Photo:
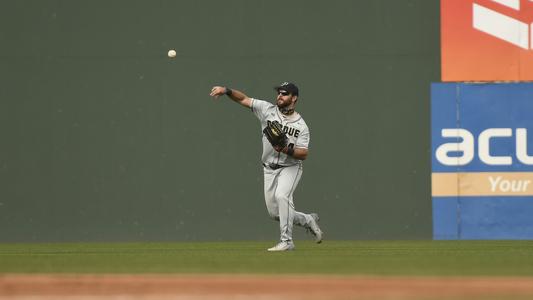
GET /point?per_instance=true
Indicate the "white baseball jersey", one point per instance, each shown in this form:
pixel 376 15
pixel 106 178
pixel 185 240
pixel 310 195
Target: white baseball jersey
pixel 293 125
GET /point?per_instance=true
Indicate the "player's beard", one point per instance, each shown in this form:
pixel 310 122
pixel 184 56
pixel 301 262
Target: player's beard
pixel 286 108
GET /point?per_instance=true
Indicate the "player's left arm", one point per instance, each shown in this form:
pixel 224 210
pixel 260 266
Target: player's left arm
pixel 298 153
pixel 300 150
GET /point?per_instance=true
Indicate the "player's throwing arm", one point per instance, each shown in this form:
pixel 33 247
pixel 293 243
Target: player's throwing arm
pixel 235 95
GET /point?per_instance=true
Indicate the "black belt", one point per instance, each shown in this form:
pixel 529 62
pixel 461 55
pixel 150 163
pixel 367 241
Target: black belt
pixel 273 166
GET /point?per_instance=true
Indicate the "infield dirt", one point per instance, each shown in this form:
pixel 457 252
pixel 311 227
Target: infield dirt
pixel 151 287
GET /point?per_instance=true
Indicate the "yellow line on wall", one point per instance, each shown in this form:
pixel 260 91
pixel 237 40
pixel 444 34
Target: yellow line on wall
pixel 482 184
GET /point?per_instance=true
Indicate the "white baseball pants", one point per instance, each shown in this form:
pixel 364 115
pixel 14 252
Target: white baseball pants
pixel 279 189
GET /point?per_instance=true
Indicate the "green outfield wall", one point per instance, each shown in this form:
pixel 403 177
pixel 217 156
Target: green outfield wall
pixel 104 138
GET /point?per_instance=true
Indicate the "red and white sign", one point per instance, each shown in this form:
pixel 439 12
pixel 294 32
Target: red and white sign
pixel 487 40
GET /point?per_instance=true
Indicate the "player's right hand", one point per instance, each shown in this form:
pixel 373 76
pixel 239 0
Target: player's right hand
pixel 217 91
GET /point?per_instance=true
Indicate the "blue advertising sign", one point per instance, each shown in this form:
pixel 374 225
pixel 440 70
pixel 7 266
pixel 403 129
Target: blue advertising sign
pixel 482 160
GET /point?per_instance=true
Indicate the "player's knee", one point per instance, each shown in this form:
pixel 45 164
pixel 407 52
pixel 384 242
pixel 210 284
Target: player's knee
pixel 281 197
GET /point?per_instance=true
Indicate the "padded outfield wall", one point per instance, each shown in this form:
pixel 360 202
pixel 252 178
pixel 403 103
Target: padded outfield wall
pixel 482 179
pixel 105 138
pixel 481 144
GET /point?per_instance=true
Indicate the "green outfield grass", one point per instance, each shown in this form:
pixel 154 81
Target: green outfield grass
pixel 423 258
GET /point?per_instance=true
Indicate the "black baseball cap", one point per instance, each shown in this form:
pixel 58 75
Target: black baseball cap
pixel 289 87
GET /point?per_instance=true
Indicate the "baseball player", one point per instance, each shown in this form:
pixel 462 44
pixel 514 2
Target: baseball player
pixel 285 145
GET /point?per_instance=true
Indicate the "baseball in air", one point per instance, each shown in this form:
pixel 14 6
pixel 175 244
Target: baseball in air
pixel 172 53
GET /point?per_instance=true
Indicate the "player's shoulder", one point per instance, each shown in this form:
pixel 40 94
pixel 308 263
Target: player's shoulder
pixel 259 105
pixel 304 126
pixel 263 103
pixel 299 119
